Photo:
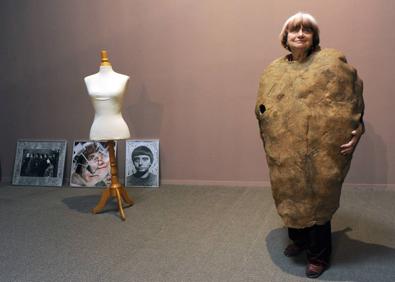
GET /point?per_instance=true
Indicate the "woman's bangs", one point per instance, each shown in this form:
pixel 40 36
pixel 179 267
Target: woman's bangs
pixel 300 21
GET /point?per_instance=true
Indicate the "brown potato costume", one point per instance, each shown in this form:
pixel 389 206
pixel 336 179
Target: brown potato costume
pixel 305 112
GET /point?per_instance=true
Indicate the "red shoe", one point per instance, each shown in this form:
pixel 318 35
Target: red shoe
pixel 315 268
pixel 292 250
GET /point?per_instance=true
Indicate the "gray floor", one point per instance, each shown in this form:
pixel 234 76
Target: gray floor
pixel 183 233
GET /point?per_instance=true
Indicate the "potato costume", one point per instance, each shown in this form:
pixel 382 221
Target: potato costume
pixel 305 112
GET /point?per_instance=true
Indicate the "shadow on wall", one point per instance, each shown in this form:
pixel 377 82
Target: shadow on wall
pixel 145 116
pixel 369 164
pixel 352 260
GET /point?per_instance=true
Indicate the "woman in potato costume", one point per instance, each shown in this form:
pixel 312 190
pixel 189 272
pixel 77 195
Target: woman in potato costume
pixel 310 110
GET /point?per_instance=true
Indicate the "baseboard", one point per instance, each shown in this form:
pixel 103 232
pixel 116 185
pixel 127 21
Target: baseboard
pixel 369 186
pixel 266 184
pixel 232 183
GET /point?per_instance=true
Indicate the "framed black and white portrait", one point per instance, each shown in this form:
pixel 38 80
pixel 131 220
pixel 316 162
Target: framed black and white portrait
pixel 39 163
pixel 142 163
pixel 90 166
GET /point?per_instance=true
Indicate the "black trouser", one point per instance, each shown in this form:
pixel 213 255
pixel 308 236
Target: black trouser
pixel 317 239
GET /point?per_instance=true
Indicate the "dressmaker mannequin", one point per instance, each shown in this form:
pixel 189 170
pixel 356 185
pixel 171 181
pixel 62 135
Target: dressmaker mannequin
pixel 106 89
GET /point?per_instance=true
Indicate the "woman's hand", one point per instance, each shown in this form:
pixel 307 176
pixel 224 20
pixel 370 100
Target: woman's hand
pixel 349 147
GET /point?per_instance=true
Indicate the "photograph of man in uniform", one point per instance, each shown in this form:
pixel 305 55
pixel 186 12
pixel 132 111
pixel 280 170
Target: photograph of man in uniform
pixel 142 159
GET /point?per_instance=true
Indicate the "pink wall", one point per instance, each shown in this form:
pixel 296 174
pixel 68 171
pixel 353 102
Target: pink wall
pixel 194 68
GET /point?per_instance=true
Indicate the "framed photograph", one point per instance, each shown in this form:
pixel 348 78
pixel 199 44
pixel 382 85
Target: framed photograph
pixel 39 163
pixel 142 163
pixel 90 166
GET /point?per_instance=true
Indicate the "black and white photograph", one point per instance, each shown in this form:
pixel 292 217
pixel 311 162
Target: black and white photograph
pixel 90 165
pixel 142 163
pixel 39 163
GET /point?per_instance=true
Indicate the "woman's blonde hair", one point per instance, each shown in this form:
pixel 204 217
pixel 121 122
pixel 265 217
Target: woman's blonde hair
pixel 297 20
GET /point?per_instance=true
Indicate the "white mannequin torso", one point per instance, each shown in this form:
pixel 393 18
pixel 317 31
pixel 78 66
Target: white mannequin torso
pixel 106 89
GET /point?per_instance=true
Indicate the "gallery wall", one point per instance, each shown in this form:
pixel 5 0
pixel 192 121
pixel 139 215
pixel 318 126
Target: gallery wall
pixel 194 68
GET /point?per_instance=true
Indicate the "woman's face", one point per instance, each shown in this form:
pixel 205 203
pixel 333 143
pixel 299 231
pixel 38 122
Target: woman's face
pixel 96 169
pixel 300 38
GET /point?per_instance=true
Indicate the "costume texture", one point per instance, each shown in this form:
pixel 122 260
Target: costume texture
pixel 305 112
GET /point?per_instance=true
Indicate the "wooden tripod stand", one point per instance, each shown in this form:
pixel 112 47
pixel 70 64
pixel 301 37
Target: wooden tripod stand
pixel 116 189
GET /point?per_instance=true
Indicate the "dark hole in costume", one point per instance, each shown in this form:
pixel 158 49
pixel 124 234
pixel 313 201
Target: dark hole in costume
pixel 262 108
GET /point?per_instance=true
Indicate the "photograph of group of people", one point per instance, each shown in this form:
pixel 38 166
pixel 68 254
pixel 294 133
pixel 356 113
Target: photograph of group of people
pixel 91 164
pixel 39 163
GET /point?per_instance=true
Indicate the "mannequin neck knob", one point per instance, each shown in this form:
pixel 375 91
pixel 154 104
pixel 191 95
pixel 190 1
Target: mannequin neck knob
pixel 104 58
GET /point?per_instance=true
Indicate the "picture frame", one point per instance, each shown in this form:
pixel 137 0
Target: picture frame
pixel 142 163
pixel 39 162
pixel 90 164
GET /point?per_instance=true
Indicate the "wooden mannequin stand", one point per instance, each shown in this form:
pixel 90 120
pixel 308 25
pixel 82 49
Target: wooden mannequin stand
pixel 115 190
